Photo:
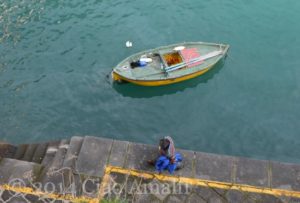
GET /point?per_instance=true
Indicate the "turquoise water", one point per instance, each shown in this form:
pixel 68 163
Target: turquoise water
pixel 55 55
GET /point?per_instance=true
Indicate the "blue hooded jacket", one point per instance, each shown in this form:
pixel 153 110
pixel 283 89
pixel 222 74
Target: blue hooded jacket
pixel 163 163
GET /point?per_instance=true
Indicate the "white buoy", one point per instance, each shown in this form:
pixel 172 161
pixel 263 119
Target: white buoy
pixel 128 44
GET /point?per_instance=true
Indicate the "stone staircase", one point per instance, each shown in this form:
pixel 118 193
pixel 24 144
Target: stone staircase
pixel 55 166
pixel 71 167
pixel 71 170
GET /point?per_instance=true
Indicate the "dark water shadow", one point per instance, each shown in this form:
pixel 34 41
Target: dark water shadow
pixel 136 91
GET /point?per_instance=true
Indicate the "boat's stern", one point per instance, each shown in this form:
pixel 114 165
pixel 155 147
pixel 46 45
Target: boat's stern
pixel 115 77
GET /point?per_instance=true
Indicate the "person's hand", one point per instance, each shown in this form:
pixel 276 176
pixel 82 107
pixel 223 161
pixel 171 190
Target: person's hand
pixel 151 162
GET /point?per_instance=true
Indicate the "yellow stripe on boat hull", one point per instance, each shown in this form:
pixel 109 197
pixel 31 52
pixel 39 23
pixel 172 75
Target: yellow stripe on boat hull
pixel 117 77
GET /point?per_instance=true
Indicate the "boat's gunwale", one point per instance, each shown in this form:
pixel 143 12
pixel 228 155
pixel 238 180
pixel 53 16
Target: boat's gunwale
pixel 171 45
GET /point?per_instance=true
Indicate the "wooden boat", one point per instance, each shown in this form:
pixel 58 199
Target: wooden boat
pixel 169 64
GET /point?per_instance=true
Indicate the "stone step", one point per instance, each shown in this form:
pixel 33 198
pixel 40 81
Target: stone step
pixel 29 152
pixel 73 151
pixel 39 153
pixel 50 153
pixel 13 170
pixel 60 154
pixel 138 155
pixel 207 166
pixel 118 153
pixel 93 156
pixel 7 150
pixel 21 149
pixel 53 174
pixel 72 183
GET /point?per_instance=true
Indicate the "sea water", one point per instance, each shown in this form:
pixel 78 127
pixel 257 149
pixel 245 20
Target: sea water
pixel 55 56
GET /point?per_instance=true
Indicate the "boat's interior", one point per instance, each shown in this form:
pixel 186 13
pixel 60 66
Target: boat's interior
pixel 159 60
pixel 172 58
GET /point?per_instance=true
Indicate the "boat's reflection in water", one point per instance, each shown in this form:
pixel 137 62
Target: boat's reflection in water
pixel 136 91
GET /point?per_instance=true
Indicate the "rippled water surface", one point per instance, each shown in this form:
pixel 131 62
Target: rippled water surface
pixel 55 55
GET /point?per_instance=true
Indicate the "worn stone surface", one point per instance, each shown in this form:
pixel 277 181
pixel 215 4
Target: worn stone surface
pixel 139 189
pixel 12 197
pixel 120 186
pixel 53 180
pixel 138 154
pixel 235 196
pixel 54 175
pixel 143 198
pixel 177 198
pixel 194 198
pixel 39 153
pixel 29 152
pixel 188 163
pixel 7 150
pixel 93 156
pixel 214 167
pixel 89 186
pixel 58 159
pixel 77 167
pixel 50 153
pixel 252 172
pixel 205 193
pixel 136 189
pixel 21 149
pixel 271 198
pixel 17 199
pixel 285 176
pixel 6 195
pixel 71 183
pixel 262 198
pixel 118 153
pixel 73 151
pixel 18 172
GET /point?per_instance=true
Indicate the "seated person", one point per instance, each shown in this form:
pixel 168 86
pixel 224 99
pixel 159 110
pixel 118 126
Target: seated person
pixel 167 159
